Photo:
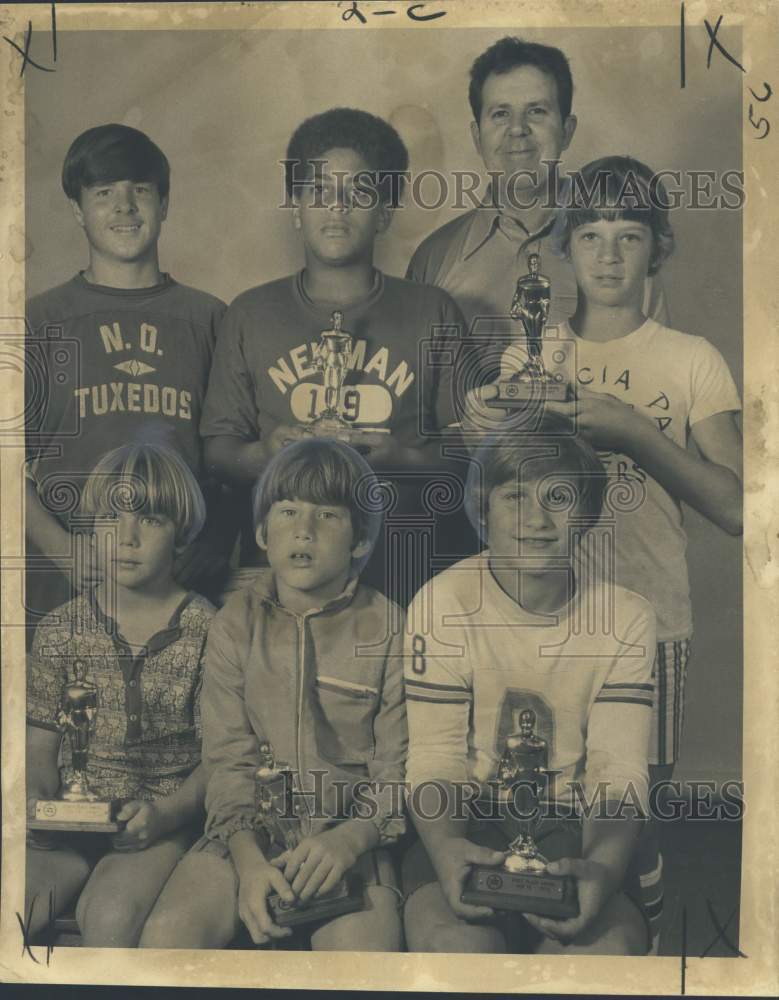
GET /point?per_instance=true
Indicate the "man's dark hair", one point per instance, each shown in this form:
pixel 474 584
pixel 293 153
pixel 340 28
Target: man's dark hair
pixel 510 52
pixel 375 140
pixel 110 153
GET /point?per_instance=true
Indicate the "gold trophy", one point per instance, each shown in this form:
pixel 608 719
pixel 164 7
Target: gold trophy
pixel 279 827
pixel 532 382
pixel 77 807
pixel 332 359
pixel 523 883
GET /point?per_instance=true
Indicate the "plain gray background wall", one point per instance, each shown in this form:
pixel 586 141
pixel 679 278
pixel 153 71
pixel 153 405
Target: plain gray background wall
pixel 222 105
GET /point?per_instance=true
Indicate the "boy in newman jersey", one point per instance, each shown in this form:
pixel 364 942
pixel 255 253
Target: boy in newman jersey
pixel 344 174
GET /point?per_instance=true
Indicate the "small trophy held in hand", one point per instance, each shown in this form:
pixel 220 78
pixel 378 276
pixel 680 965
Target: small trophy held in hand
pixel 523 883
pixel 532 383
pixel 332 359
pixel 277 820
pixel 77 808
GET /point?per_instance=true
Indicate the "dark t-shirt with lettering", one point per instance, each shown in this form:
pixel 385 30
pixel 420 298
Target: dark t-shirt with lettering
pixel 265 372
pixel 108 366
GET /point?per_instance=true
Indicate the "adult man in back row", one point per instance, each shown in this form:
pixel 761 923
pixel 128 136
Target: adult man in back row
pixel 521 96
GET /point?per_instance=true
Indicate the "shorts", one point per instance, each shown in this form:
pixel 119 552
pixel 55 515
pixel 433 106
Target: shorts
pixel 556 838
pixel 93 847
pixel 669 673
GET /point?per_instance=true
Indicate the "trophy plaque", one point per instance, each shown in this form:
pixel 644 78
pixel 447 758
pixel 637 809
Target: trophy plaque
pixel 276 818
pixel 532 382
pixel 522 882
pixel 77 808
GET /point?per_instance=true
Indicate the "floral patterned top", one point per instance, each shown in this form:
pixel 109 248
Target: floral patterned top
pixel 145 737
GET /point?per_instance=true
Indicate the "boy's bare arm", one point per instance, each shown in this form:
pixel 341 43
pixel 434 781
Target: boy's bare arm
pixel 610 843
pixel 607 845
pixel 238 462
pixel 444 835
pixel 257 879
pixel 148 821
pixel 186 803
pixel 56 542
pixel 42 527
pixel 232 460
pixel 711 483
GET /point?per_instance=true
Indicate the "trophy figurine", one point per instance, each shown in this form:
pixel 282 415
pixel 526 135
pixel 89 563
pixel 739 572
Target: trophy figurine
pixel 277 822
pixel 77 807
pixel 532 382
pixel 523 882
pixel 332 359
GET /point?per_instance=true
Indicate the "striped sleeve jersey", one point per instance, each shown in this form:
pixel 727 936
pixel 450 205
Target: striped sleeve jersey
pixel 475 659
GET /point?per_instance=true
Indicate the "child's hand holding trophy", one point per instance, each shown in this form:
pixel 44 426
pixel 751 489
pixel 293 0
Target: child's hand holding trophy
pixel 280 827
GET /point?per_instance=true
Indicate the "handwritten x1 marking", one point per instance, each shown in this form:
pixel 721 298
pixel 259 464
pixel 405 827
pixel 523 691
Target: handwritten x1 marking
pixel 25 52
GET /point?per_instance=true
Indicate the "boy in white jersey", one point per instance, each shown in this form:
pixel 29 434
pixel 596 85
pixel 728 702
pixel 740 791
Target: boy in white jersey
pixel 512 629
pixel 642 391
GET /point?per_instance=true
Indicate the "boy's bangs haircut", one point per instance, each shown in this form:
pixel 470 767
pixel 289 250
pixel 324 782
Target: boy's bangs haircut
pixel 615 188
pixel 375 140
pixel 322 471
pixel 110 153
pixel 510 53
pixel 575 479
pixel 147 479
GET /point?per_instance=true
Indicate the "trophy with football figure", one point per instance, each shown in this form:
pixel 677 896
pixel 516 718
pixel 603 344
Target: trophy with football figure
pixel 522 882
pixel 77 808
pixel 331 357
pixel 532 382
pixel 280 828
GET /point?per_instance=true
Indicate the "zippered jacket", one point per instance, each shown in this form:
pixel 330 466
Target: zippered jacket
pixel 325 689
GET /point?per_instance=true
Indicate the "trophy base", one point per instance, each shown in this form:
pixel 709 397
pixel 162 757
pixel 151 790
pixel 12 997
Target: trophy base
pixel 335 427
pixel 516 393
pixel 331 427
pixel 347 897
pixel 75 816
pixel 526 892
